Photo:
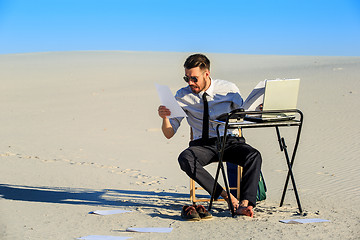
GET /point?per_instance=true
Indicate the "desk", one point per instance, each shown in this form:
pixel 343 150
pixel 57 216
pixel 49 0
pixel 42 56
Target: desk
pixel 234 119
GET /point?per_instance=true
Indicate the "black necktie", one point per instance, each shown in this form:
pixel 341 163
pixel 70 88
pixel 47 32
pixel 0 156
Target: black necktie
pixel 205 129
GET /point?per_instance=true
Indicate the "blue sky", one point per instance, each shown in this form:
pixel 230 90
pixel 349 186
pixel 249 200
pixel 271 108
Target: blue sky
pixel 280 27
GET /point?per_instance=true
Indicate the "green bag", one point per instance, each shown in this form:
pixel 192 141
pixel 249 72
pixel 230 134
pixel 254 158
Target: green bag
pixel 261 191
pixel 232 176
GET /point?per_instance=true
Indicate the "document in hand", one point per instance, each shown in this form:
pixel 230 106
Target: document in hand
pixel 168 100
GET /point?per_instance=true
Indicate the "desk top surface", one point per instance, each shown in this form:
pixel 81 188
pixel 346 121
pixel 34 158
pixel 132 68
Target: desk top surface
pixel 249 124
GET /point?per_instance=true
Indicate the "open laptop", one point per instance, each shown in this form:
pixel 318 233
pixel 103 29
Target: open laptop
pixel 280 94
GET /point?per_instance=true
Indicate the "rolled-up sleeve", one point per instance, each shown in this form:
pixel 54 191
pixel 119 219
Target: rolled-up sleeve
pixel 237 101
pixel 175 123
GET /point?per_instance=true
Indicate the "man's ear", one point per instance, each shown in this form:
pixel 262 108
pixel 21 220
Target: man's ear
pixel 207 73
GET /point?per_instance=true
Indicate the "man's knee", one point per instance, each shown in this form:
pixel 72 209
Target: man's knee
pixel 184 162
pixel 254 157
pixel 257 157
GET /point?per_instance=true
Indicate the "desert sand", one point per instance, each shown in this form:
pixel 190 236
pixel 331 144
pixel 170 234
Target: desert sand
pixel 80 132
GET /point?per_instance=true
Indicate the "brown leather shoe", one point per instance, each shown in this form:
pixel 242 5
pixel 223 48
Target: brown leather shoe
pixel 203 213
pixel 189 213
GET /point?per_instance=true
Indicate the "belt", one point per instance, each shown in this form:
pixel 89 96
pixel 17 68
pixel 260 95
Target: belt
pixel 210 141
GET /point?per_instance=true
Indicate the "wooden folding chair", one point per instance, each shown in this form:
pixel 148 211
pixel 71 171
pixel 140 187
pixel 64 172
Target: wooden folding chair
pixel 193 186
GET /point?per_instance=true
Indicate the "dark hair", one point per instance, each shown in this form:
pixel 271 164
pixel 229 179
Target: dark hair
pixel 197 60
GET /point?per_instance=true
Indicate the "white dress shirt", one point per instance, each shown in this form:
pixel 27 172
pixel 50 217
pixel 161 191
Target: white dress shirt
pixel 223 97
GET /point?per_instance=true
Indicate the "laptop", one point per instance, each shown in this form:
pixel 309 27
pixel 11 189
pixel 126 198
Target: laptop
pixel 280 94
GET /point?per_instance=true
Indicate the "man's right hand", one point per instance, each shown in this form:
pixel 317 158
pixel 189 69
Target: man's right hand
pixel 164 112
pixel 166 127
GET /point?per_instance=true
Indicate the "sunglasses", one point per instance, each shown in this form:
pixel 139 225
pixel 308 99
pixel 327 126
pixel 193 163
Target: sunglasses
pixel 193 79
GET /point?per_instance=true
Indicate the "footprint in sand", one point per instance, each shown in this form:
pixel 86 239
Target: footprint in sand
pixel 7 154
pixel 134 173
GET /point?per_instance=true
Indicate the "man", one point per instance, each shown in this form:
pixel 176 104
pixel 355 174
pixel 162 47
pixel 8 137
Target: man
pixel 204 94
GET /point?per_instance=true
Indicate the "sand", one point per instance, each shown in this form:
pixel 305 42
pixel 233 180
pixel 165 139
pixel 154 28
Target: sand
pixel 80 132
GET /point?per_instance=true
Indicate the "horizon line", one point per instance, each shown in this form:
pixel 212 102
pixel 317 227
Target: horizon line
pixel 153 51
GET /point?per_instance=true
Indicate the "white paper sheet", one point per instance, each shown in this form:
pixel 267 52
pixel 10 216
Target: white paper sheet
pixel 103 237
pixel 255 98
pixel 308 220
pixel 168 100
pixel 157 230
pixel 109 212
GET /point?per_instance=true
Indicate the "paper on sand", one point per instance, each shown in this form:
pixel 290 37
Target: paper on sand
pixel 109 212
pixel 157 230
pixel 167 99
pixel 308 220
pixel 103 237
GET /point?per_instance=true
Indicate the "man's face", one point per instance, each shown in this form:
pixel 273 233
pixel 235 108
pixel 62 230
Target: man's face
pixel 202 76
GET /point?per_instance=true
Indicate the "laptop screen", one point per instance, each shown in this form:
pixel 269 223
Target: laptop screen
pixel 281 94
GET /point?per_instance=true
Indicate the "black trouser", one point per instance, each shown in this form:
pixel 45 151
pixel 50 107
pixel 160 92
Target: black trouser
pixel 199 154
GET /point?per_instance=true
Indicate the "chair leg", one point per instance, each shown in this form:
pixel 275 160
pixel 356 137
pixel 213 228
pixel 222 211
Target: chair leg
pixel 239 177
pixel 193 188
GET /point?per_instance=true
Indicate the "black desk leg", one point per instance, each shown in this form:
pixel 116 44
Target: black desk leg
pixel 282 144
pixel 214 188
pixel 221 166
pixel 227 190
pixel 284 147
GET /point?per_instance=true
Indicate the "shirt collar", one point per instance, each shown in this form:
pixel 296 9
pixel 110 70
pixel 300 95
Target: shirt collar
pixel 209 91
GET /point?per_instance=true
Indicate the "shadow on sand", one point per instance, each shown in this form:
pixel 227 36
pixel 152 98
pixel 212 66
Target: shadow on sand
pixel 104 197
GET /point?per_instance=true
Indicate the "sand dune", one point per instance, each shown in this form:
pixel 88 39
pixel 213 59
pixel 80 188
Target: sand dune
pixel 80 132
